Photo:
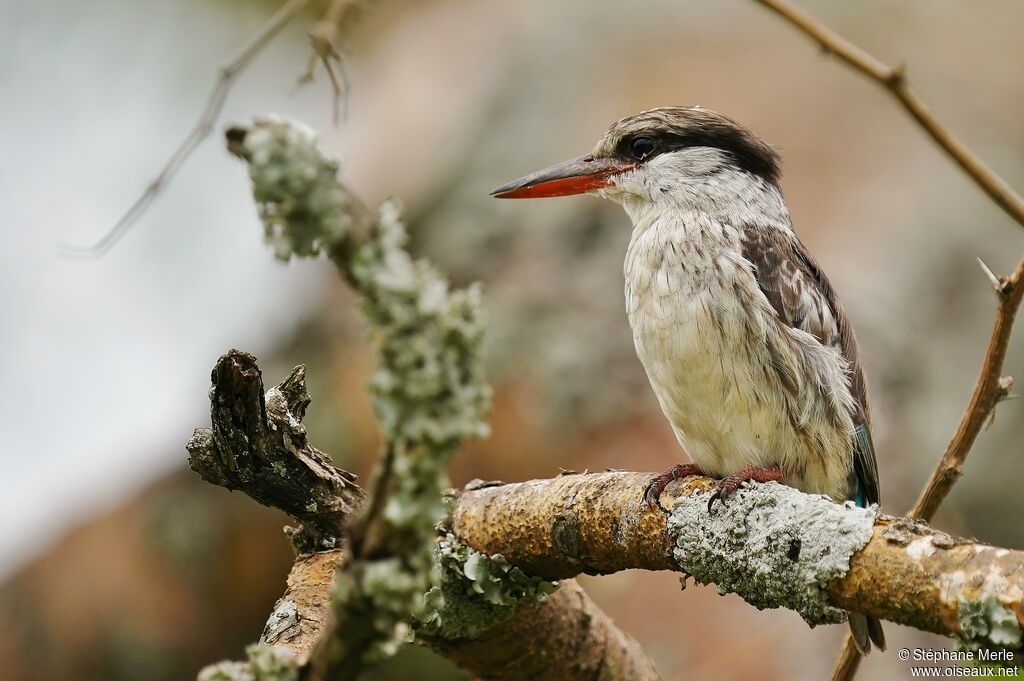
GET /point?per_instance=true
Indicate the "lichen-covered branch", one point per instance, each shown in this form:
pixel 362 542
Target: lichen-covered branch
pixel 564 637
pixel 479 603
pixel 772 545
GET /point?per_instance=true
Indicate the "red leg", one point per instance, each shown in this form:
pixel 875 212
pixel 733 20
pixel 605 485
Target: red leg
pixel 658 483
pixel 728 486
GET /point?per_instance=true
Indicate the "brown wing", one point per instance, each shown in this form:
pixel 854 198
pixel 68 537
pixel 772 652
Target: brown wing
pixel 803 298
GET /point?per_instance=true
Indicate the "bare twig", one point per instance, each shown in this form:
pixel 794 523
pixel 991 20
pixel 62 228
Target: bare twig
pixel 899 569
pixel 894 79
pixel 991 386
pixel 229 73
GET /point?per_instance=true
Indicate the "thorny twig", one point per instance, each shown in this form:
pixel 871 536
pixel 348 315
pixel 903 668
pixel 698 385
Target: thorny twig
pixel 991 386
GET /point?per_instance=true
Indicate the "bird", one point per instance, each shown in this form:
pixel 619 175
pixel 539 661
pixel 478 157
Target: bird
pixel 749 352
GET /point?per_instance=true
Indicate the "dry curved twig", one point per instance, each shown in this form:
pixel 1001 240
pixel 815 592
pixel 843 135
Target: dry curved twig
pixel 894 79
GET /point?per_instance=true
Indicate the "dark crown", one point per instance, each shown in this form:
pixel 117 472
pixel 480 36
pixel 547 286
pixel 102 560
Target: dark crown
pixel 646 135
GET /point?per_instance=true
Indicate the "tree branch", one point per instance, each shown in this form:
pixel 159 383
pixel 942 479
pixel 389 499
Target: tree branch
pixel 258 444
pixel 991 387
pixel 270 459
pixel 565 637
pixel 772 545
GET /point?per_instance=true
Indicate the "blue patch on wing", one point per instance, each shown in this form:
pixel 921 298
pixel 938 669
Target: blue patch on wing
pixel 864 464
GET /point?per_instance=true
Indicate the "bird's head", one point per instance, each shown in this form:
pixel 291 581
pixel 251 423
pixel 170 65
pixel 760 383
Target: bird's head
pixel 677 154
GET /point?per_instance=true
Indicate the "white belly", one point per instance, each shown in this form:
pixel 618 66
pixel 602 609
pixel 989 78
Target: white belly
pixel 708 360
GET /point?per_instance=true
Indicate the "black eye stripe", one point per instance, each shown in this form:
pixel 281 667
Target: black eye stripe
pixel 748 154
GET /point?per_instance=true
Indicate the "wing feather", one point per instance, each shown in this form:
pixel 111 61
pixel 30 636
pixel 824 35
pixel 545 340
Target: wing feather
pixel 803 298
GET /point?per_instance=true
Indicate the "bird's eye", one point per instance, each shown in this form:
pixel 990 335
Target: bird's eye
pixel 641 148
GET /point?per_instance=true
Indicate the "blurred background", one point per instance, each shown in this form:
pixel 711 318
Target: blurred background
pixel 115 558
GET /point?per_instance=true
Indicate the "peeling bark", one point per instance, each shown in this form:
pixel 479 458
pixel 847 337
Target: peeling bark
pixel 257 444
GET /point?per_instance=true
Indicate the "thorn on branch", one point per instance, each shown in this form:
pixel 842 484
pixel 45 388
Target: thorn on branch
pixel 997 284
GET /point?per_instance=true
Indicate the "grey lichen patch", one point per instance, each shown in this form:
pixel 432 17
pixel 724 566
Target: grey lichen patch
pixel 988 621
pixel 773 546
pixel 303 207
pixel 475 592
pixel 909 531
pixel 265 663
pixel 283 623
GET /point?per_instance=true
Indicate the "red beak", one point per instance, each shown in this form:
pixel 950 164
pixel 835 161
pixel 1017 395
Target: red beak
pixel 572 177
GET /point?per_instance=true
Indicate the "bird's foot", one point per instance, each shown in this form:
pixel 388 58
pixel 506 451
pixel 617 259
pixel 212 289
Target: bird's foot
pixel 727 486
pixel 657 485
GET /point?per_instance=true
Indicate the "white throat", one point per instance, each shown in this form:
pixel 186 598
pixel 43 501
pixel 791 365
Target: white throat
pixel 731 196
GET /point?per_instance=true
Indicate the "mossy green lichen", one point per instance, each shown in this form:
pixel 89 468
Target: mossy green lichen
pixel 475 592
pixel 303 207
pixel 429 394
pixel 987 620
pixel 265 663
pixel 429 389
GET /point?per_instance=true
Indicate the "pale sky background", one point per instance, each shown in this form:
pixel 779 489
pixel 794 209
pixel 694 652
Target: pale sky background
pixel 96 376
pixel 105 362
